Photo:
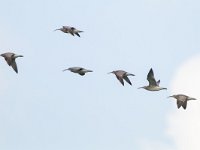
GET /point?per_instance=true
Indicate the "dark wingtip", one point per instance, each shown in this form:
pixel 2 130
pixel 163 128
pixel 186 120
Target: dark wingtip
pixel 78 34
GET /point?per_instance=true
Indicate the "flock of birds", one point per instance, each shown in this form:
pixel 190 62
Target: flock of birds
pixel 121 75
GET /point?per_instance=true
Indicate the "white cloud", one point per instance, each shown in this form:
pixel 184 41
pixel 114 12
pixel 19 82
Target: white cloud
pixel 184 125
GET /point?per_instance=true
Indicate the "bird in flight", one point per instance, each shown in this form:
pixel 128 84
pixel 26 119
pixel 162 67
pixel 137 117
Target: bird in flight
pixel 153 84
pixel 79 70
pixel 182 100
pixel 122 75
pixel 71 30
pixel 10 59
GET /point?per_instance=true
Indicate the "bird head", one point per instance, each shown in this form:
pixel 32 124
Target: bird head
pixel 66 69
pixel 2 55
pixel 171 96
pixel 111 72
pixel 58 29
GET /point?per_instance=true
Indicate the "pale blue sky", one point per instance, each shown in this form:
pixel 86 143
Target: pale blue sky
pixel 44 108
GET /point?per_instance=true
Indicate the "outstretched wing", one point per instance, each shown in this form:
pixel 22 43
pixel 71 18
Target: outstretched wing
pixel 179 103
pixel 184 105
pixel 151 79
pixel 127 80
pixel 14 66
pixel 121 80
pixel 77 34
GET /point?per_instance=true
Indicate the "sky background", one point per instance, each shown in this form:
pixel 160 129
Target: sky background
pixel 43 108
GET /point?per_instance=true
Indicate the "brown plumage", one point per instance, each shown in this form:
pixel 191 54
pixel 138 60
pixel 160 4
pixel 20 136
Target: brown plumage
pixel 122 75
pixel 71 30
pixel 182 100
pixel 10 59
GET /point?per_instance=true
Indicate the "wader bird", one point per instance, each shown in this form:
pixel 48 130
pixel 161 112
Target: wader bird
pixel 71 30
pixel 10 59
pixel 122 75
pixel 182 100
pixel 153 84
pixel 81 71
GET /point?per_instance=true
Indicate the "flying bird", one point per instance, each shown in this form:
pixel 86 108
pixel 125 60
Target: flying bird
pixel 153 84
pixel 122 75
pixel 71 30
pixel 79 70
pixel 10 59
pixel 182 100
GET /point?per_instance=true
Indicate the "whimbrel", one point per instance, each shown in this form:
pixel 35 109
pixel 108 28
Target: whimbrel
pixel 71 30
pixel 182 100
pixel 153 84
pixel 81 71
pixel 122 75
pixel 10 59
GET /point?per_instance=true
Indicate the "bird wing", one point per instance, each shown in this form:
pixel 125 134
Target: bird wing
pixel 121 80
pixel 81 73
pixel 8 57
pixel 66 27
pixel 14 66
pixel 184 105
pixel 151 79
pixel 8 60
pixel 77 34
pixel 179 103
pixel 127 80
pixel 158 82
pixel 71 32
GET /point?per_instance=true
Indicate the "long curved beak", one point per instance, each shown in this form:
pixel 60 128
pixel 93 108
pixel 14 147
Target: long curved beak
pixel 65 69
pixel 56 29
pixel 141 87
pixel 89 71
pixel 109 72
pixel 85 70
pixel 80 31
pixel 169 96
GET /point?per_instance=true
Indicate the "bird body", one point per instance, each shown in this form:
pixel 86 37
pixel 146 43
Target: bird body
pixel 81 71
pixel 153 84
pixel 71 30
pixel 122 75
pixel 10 59
pixel 153 88
pixel 182 100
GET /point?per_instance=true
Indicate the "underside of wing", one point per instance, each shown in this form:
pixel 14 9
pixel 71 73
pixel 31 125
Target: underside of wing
pixel 179 103
pixel 82 73
pixel 184 105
